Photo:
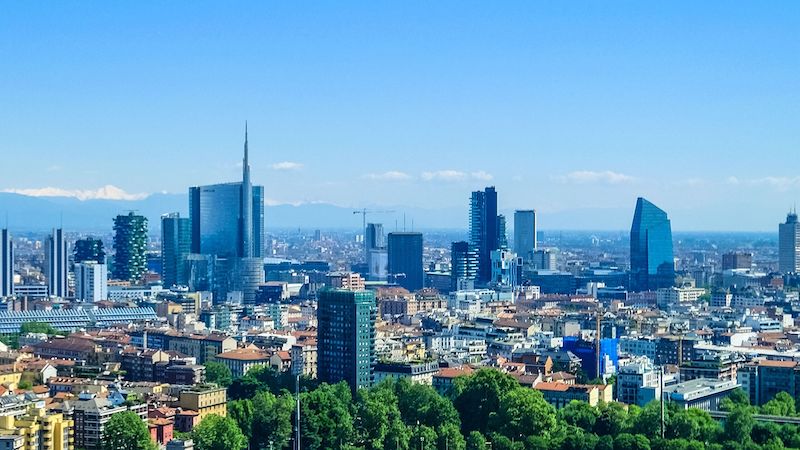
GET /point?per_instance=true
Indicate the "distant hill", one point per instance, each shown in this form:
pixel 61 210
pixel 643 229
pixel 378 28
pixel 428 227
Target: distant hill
pixel 43 213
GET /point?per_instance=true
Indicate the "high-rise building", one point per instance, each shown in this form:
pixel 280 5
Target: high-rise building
pixel 652 260
pixel 6 264
pixel 375 250
pixel 463 266
pixel 91 281
pixel 176 245
pixel 483 232
pixel 525 233
pixel 506 269
pixel 789 244
pixel 130 247
pixel 55 263
pixel 89 249
pixel 502 237
pixel 737 260
pixel 374 237
pixel 405 259
pixel 346 337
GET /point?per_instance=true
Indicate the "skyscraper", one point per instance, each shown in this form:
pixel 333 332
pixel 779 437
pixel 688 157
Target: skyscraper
pixel 55 263
pixel 789 244
pixel 176 244
pixel 6 264
pixel 130 247
pixel 463 266
pixel 525 233
pixel 652 260
pixel 502 237
pixel 483 233
pixel 375 250
pixel 374 237
pixel 405 259
pixel 346 337
pixel 91 281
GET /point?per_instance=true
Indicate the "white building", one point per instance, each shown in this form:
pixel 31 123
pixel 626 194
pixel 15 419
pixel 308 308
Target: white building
pixel 505 268
pixel 672 296
pixel 91 281
pixel 789 245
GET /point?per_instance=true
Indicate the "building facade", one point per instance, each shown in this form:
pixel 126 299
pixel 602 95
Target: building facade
pixel 525 233
pixel 176 245
pixel 463 266
pixel 789 244
pixel 346 337
pixel 55 256
pixel 130 247
pixel 652 259
pixel 91 281
pixel 405 259
pixel 6 264
pixel 483 233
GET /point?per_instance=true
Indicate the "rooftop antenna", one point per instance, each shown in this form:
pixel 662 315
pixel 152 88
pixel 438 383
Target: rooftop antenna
pixel 412 224
pixel 404 222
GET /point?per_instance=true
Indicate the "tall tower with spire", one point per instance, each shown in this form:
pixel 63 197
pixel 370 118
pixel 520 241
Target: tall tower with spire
pixel 247 203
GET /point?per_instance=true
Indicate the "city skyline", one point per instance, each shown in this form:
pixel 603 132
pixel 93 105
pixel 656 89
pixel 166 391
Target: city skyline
pixel 561 115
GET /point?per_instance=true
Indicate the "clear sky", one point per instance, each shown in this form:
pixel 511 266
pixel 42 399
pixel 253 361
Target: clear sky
pixel 562 105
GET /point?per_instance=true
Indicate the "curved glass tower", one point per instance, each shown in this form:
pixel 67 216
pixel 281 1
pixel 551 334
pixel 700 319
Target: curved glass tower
pixel 652 260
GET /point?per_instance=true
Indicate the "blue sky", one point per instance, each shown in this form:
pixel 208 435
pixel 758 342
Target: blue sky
pixel 564 106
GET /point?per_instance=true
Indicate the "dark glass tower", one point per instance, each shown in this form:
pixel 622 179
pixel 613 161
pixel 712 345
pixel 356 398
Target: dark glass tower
pixel 130 247
pixel 55 255
pixel 176 244
pixel 6 264
pixel 652 260
pixel 346 337
pixel 89 249
pixel 483 229
pixel 405 259
pixel 464 265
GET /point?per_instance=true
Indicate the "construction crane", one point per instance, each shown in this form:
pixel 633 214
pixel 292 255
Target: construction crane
pixel 364 212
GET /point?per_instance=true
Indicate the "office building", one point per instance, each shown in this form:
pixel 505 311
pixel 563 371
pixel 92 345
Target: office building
pixel 737 260
pixel 373 238
pixel 376 256
pixel 89 249
pixel 652 260
pixel 789 245
pixel 55 270
pixel 545 259
pixel 704 394
pixel 502 237
pixel 506 269
pixel 91 281
pixel 346 337
pixel 130 247
pixel 483 233
pixel 525 233
pixel 6 264
pixel 176 245
pixel 638 382
pixel 463 266
pixel 405 259
pixel 763 379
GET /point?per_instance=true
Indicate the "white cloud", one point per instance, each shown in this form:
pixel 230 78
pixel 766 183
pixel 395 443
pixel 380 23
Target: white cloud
pixel 778 183
pixel 287 165
pixel 588 176
pixel 456 175
pixel 392 175
pixel 107 192
pixel 732 180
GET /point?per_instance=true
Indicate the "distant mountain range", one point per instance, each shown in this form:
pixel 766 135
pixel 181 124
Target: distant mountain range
pixel 27 213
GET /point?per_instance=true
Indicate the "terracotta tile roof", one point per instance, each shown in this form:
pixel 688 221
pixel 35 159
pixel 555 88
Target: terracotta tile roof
pixel 453 372
pixel 245 354
pixel 550 386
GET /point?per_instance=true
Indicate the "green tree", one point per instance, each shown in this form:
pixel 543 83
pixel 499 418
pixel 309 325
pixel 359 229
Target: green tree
pixel 450 437
pixel 477 397
pixel 398 436
pixel 648 420
pixel 218 373
pixel 579 414
pixel 781 405
pixel 326 420
pixel 419 403
pixel 244 388
pixel 218 433
pixel 272 419
pixel 241 411
pixel 38 327
pixel 692 424
pixel 127 431
pixel 739 425
pixel 736 398
pixel 376 412
pixel 627 441
pixel 423 437
pixel 612 419
pixel 476 441
pixel 524 411
pixel 500 442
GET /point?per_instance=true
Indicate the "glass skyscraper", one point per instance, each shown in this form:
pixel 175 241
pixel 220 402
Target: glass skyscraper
pixel 217 223
pixel 55 267
pixel 652 260
pixel 346 337
pixel 405 259
pixel 789 244
pixel 483 232
pixel 463 266
pixel 6 264
pixel 176 244
pixel 525 233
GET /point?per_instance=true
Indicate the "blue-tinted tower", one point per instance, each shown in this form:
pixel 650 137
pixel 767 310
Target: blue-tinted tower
pixel 652 260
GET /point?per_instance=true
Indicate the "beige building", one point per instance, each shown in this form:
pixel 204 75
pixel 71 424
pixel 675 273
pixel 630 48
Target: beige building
pixel 304 358
pixel 241 360
pixel 206 400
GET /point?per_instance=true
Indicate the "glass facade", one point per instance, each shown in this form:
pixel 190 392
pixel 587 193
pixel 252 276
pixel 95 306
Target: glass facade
pixel 652 260
pixel 525 233
pixel 483 229
pixel 346 337
pixel 464 265
pixel 216 216
pixel 405 259
pixel 176 244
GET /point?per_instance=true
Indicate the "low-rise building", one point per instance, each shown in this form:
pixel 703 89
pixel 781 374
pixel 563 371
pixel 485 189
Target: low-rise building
pixel 701 393
pixel 421 372
pixel 560 394
pixel 241 360
pixel 204 399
